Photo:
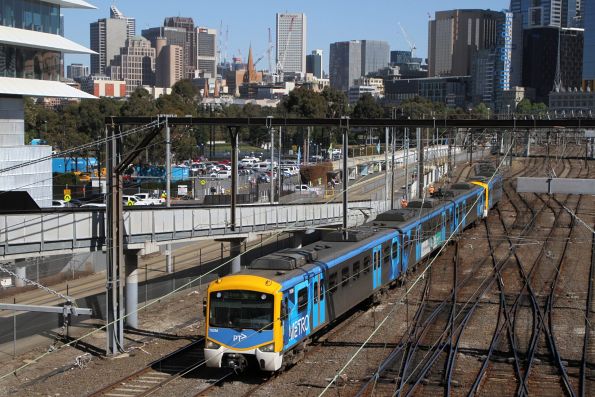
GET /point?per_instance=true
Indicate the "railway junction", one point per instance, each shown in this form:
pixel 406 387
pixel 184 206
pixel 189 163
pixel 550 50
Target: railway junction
pixel 505 308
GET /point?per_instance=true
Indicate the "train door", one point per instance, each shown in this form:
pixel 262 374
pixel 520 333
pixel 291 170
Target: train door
pixel 377 266
pixel 395 250
pixel 298 308
pixel 443 229
pixel 317 299
pixel 419 239
pixel 455 225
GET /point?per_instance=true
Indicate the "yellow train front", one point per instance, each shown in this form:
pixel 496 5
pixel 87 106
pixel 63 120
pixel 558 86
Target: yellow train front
pixel 242 314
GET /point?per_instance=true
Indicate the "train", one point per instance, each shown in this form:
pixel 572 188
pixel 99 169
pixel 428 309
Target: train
pixel 265 315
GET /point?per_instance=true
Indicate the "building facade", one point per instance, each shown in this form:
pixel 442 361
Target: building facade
pixel 76 71
pixel 206 51
pixel 314 63
pixel 291 42
pixel 375 56
pixel 345 64
pixel 33 68
pixel 454 38
pixel 169 64
pixel 178 31
pixel 589 44
pixel 540 59
pixel 103 86
pixel 453 91
pixel 107 36
pixel 541 13
pixel 130 22
pixel 135 64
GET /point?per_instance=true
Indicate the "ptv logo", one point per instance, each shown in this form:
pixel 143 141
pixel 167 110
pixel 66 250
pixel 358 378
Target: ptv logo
pixel 239 338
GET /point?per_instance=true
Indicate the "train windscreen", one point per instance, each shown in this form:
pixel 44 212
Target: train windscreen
pixel 241 310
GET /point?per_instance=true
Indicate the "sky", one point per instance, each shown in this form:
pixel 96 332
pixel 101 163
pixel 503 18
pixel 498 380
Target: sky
pixel 247 22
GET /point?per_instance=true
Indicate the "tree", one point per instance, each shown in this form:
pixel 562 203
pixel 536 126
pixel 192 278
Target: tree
pixel 140 103
pixel 367 108
pixel 337 104
pixel 303 102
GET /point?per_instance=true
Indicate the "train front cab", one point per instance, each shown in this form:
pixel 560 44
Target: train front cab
pixel 243 322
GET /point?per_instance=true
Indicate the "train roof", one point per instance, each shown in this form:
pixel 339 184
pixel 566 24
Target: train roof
pixel 294 262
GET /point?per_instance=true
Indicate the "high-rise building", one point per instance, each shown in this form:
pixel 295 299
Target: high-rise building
pixel 206 50
pixel 541 56
pixel 76 71
pixel 400 57
pixel 314 63
pixel 291 42
pixel 178 31
pixel 108 35
pixel 130 22
pixel 375 56
pixel 541 13
pixel 135 64
pixel 345 64
pixel 589 46
pixel 455 36
pixel 31 51
pixel 169 63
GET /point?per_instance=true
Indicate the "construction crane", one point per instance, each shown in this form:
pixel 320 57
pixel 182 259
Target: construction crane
pixel 281 61
pixel 268 52
pixel 412 46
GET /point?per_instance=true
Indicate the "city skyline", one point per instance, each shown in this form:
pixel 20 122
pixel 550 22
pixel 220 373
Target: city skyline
pixel 248 25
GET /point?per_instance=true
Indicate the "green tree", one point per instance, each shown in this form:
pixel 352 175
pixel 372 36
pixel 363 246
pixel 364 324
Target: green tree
pixel 367 107
pixel 303 102
pixel 337 104
pixel 140 103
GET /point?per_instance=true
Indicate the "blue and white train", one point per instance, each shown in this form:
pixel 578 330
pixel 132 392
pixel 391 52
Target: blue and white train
pixel 266 314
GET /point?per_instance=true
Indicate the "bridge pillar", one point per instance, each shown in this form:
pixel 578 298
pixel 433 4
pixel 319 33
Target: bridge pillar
pixel 131 263
pixel 21 272
pixel 298 238
pixel 235 251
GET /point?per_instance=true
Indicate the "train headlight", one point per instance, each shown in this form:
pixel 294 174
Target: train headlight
pixel 267 348
pixel 212 345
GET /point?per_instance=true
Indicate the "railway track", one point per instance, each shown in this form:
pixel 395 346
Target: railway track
pixel 157 374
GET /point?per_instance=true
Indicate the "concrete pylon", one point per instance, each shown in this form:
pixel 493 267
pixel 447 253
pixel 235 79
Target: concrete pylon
pixel 131 288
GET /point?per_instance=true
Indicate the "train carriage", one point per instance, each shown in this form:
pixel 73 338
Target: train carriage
pixel 268 311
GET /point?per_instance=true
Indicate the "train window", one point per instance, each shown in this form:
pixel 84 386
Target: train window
pixel 302 299
pixel 395 249
pixel 345 276
pixel 356 270
pixel 366 264
pixel 316 292
pixel 386 252
pixel 332 282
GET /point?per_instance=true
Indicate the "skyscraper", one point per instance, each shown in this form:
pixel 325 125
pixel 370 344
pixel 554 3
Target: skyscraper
pixel 540 13
pixel 130 22
pixel 314 63
pixel 375 56
pixel 169 63
pixel 455 36
pixel 76 71
pixel 178 31
pixel 108 35
pixel 135 63
pixel 345 64
pixel 206 50
pixel 291 42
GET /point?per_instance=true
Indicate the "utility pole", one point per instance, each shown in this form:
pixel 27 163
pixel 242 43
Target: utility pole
pixel 115 251
pixel 169 266
pixel 387 196
pixel 392 178
pixel 234 133
pixel 406 163
pixel 345 128
pixel 420 164
pixel 272 131
pixel 449 171
pixel 279 163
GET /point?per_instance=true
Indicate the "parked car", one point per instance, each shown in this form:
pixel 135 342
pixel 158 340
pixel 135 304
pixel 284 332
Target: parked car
pixel 62 204
pixel 148 199
pixel 93 205
pixel 133 200
pixel 223 174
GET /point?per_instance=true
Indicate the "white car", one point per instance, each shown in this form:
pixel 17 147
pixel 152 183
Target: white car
pixel 146 199
pixel 223 174
pixel 61 204
pixel 133 200
pixel 93 205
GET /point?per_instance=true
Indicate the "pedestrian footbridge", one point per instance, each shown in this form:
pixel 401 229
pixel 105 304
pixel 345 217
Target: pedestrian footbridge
pixel 52 232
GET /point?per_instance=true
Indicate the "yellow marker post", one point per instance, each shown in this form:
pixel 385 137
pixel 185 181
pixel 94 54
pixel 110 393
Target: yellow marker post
pixel 130 203
pixel 203 182
pixel 67 195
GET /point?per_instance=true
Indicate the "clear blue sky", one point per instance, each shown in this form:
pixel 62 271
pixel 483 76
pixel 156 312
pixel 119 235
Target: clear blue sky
pixel 248 21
